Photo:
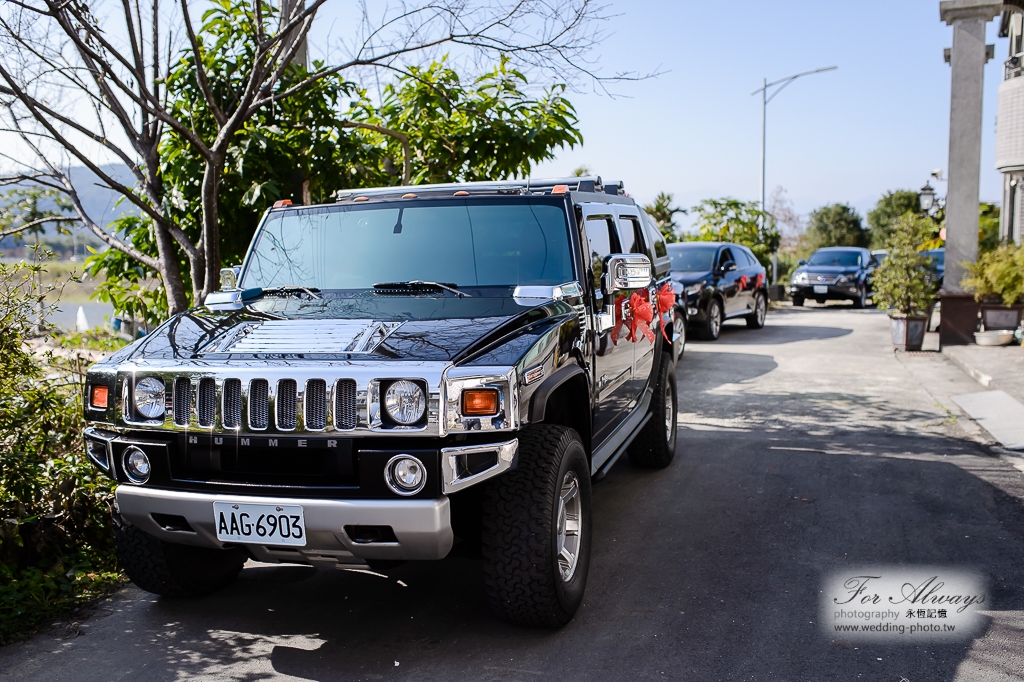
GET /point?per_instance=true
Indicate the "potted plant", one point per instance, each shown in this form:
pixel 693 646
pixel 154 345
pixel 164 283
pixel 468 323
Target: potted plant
pixel 997 281
pixel 902 283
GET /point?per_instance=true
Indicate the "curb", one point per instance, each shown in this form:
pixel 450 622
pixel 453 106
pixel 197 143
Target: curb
pixel 976 374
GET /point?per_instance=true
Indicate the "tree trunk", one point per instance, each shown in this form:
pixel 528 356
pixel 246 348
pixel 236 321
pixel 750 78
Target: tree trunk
pixel 211 234
pixel 170 272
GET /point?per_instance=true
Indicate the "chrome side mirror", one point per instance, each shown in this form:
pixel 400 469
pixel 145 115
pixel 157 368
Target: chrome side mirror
pixel 627 271
pixel 229 277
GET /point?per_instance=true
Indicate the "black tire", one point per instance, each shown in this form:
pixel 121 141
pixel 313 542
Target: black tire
pixel 712 326
pixel 655 446
pixel 862 299
pixel 755 320
pixel 173 570
pixel 521 521
pixel 798 301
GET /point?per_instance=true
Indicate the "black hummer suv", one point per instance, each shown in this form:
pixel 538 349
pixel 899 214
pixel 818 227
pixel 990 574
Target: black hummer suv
pixel 394 373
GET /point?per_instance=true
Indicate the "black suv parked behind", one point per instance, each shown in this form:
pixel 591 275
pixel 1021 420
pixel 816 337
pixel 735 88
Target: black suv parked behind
pixel 397 372
pixel 718 281
pixel 834 273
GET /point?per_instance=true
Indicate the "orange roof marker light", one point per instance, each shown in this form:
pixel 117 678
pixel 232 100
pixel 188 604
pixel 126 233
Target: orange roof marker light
pixel 462 193
pixel 282 203
pixel 560 189
pixel 409 196
pixel 361 199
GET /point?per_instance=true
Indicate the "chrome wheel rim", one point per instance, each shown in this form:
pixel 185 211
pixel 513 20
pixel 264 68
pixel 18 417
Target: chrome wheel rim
pixel 570 525
pixel 716 319
pixel 762 310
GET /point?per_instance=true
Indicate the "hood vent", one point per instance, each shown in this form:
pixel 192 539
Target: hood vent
pixel 294 337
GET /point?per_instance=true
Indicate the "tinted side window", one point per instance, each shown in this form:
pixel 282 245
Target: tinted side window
pixel 751 262
pixel 655 237
pixel 724 256
pixel 630 237
pixel 603 242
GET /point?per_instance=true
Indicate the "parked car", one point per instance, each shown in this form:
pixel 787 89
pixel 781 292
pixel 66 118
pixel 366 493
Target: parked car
pixel 938 257
pixel 394 372
pixel 834 273
pixel 719 281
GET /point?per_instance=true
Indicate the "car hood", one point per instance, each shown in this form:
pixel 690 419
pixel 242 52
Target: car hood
pixel 370 327
pixel 686 277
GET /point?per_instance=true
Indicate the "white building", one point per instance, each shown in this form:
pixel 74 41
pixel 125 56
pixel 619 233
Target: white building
pixel 1010 130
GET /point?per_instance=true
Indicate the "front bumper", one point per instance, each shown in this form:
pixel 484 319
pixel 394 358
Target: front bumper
pixel 422 527
pixel 844 291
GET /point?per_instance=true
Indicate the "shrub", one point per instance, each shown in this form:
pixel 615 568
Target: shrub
pixel 997 274
pixel 56 548
pixel 903 282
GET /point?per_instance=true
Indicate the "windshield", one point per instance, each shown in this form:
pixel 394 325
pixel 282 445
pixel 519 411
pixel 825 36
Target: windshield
pixel 692 258
pixel 491 242
pixel 843 258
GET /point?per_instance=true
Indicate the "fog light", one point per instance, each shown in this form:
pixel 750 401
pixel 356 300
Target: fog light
pixel 136 465
pixel 405 475
pixel 149 397
pixel 405 402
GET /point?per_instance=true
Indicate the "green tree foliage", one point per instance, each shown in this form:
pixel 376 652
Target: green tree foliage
pixel 836 225
pixel 903 281
pixel 742 222
pixel 891 206
pixel 55 543
pixel 487 129
pixel 302 149
pixel 664 214
pixel 997 274
pixel 988 227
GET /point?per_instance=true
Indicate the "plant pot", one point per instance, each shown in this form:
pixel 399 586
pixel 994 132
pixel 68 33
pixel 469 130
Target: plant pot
pixel 907 331
pixel 998 316
pixel 994 337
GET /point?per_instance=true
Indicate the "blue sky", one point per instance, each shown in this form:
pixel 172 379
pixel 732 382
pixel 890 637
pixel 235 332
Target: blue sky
pixel 879 122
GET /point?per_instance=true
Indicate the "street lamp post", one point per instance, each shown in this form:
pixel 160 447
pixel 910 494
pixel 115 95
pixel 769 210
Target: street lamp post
pixel 765 99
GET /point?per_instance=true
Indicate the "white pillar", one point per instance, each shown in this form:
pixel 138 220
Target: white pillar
pixel 968 19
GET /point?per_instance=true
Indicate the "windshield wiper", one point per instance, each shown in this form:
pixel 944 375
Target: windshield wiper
pixel 420 284
pixel 289 289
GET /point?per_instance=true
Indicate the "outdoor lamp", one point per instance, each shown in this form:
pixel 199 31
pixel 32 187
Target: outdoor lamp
pixel 926 195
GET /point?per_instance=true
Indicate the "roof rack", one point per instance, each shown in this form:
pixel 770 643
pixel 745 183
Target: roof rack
pixel 591 183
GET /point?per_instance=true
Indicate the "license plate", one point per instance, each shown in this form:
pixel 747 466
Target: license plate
pixel 263 524
pixel 820 289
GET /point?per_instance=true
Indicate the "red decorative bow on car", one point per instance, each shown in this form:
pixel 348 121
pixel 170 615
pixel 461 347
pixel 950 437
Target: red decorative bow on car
pixel 666 299
pixel 760 280
pixel 641 316
pixel 743 282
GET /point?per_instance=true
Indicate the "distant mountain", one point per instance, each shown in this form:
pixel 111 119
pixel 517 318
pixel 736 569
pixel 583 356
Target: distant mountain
pixel 100 203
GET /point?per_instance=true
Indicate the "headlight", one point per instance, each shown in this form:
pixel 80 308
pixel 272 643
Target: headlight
pixel 694 288
pixel 405 402
pixel 800 278
pixel 149 398
pixel 136 465
pixel 405 475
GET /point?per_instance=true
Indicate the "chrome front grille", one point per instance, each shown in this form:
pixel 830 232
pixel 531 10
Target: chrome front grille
pixel 315 403
pixel 345 411
pixel 275 404
pixel 207 407
pixel 286 404
pixel 232 403
pixel 259 394
pixel 182 400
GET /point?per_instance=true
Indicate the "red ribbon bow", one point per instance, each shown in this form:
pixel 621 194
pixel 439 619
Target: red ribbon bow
pixel 641 316
pixel 666 300
pixel 760 280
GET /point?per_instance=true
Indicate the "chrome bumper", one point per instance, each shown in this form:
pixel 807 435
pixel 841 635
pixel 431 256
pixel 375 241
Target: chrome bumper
pixel 422 527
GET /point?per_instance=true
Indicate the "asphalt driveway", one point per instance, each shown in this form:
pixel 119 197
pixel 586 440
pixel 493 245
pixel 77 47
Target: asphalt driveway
pixel 803 447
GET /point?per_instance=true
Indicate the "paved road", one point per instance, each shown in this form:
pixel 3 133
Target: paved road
pixel 803 447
